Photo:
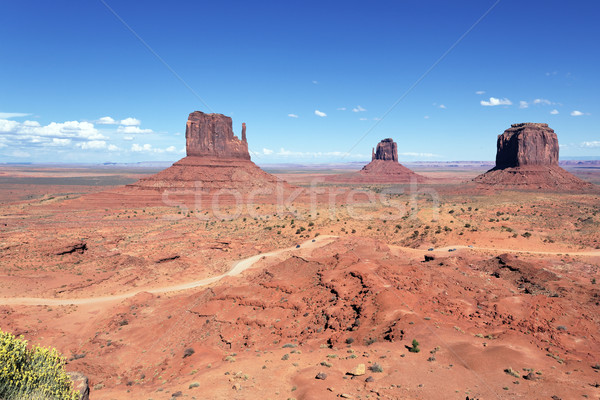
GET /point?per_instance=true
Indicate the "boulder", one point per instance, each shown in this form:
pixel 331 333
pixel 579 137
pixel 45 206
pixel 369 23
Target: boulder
pixel 359 370
pixel 81 384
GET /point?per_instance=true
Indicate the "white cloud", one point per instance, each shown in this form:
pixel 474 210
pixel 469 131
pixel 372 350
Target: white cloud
pixel 301 154
pixel 554 112
pixel 592 144
pixel 576 113
pixel 60 142
pixel 112 147
pixel 267 152
pixel 426 117
pixel 106 121
pixel 132 129
pixel 442 106
pixel 542 101
pixel 128 137
pixel 341 108
pixel 358 109
pixel 8 126
pixel 147 148
pixel 12 115
pixel 320 113
pixel 68 129
pixel 523 104
pixel 362 119
pixel 137 148
pixel 315 82
pixel 130 121
pixel 20 153
pixel 413 154
pixel 92 145
pixel 292 116
pixel 496 102
pixel 480 92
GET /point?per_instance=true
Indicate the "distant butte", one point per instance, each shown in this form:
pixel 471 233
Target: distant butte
pixel 383 168
pixel 527 157
pixel 216 160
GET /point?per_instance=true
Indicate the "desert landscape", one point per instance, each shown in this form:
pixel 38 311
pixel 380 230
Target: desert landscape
pixel 392 200
pixel 439 287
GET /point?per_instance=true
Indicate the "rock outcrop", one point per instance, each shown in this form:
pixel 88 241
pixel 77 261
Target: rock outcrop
pixel 527 157
pixel 383 168
pixel 216 160
pixel 80 384
pixel 527 144
pixel 211 135
pixel 387 150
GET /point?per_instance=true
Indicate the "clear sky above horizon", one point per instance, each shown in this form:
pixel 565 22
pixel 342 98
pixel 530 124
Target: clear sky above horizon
pixel 315 82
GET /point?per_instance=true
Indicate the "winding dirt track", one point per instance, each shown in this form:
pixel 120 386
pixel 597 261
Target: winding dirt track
pixel 247 263
pixel 592 253
pixel 237 269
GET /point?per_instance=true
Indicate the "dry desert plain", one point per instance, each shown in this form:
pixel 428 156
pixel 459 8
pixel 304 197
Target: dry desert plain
pixel 217 300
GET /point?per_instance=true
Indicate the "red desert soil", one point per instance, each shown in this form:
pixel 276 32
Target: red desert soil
pixel 135 296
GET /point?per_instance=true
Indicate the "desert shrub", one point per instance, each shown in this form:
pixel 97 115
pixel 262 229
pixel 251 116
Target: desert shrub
pixel 188 352
pixel 32 373
pixel 415 347
pixel 376 368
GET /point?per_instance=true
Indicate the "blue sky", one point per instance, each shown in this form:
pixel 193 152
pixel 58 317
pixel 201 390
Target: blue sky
pixel 312 80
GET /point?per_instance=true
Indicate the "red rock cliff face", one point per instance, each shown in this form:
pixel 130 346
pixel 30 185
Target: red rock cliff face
pixel 387 150
pixel 211 135
pixel 527 144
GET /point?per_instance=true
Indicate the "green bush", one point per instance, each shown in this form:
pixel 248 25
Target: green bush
pixel 415 347
pixel 34 373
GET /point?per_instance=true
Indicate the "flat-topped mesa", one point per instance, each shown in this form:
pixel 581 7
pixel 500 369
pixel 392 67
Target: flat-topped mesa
pixel 527 144
pixel 387 150
pixel 211 135
pixel 527 157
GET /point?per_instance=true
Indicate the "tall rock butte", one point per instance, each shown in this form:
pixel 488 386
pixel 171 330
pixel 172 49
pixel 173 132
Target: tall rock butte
pixel 211 135
pixel 216 159
pixel 527 157
pixel 383 168
pixel 387 150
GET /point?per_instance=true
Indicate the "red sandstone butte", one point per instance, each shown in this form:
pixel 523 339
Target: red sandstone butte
pixel 216 160
pixel 383 168
pixel 211 135
pixel 527 157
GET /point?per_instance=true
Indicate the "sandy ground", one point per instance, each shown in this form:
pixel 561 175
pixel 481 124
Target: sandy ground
pixel 158 302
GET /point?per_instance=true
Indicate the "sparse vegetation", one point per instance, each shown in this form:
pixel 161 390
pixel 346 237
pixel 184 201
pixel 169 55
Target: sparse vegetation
pixel 415 347
pixel 376 368
pixel 32 373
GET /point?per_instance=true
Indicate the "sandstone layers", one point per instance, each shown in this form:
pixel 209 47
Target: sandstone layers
pixel 216 160
pixel 383 168
pixel 527 157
